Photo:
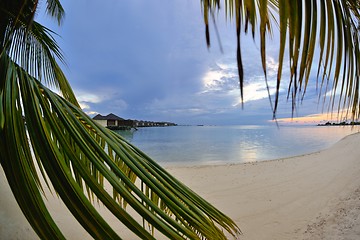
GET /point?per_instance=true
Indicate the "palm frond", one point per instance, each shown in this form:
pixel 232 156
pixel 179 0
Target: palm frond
pixel 44 133
pixel 55 9
pixel 16 158
pixel 33 47
pixel 333 24
pixel 74 152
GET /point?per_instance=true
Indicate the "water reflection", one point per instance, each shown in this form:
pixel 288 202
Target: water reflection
pixel 127 134
pixel 192 145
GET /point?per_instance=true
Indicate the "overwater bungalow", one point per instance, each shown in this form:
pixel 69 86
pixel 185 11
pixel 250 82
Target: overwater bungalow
pixel 114 122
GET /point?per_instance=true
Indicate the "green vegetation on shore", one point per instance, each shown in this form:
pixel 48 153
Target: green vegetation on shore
pixel 339 124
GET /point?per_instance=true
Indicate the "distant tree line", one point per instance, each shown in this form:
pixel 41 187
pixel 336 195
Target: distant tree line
pixel 339 123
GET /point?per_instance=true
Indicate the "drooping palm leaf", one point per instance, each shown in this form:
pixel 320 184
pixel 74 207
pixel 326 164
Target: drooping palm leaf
pixel 17 162
pixel 54 9
pixel 74 151
pixel 334 24
pixel 46 136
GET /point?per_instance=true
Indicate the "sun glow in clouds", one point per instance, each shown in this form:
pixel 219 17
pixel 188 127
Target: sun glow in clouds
pixel 219 79
pixel 87 97
pixel 256 90
pixel 224 79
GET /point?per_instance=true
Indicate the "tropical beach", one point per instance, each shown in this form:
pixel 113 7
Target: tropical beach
pixel 313 196
pixel 64 88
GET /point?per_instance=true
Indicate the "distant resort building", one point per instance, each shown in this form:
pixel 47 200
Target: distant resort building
pixel 114 122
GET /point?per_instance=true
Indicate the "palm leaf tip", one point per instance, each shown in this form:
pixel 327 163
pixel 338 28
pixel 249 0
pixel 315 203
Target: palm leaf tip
pixel 326 31
pixel 55 9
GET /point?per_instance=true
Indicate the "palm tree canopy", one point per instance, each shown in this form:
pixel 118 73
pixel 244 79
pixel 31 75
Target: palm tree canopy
pixel 31 45
pixel 327 29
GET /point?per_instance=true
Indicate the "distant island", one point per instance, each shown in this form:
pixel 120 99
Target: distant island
pixel 339 124
pixel 114 122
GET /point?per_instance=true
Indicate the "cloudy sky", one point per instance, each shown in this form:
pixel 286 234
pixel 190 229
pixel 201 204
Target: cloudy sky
pixel 148 60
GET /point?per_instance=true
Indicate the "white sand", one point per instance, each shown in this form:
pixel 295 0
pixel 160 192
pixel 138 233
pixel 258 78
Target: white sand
pixel 315 196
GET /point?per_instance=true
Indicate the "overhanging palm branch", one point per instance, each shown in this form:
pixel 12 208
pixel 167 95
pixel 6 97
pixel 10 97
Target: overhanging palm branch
pixel 46 136
pixel 79 157
pixel 334 24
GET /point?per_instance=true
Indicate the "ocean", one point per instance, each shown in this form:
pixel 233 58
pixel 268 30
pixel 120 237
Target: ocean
pixel 209 145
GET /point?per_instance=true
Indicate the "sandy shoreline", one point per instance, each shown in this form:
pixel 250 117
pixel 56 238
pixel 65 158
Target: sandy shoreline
pixel 314 196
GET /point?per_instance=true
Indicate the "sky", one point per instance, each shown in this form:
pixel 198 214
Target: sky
pixel 148 60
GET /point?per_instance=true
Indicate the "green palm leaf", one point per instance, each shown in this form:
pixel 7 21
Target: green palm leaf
pixel 74 151
pixel 55 10
pixel 33 47
pixel 334 24
pixel 47 136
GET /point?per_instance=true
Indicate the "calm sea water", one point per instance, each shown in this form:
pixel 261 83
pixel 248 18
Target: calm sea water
pixel 200 145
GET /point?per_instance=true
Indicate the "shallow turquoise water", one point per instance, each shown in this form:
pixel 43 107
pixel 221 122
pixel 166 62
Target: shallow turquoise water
pixel 199 145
